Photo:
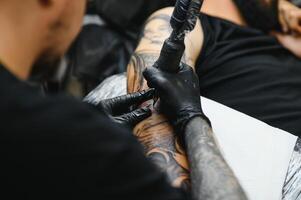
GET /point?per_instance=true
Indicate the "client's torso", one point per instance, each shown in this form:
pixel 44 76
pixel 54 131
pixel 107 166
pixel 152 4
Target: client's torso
pixel 250 71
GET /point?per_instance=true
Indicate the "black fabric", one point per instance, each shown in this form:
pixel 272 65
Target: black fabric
pixel 104 50
pixel 250 71
pixel 260 14
pixel 127 14
pixel 98 53
pixel 57 148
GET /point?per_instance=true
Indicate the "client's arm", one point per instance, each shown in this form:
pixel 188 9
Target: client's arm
pixel 156 133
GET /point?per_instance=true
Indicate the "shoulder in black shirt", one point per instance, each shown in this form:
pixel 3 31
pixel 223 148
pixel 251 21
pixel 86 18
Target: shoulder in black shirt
pixel 251 72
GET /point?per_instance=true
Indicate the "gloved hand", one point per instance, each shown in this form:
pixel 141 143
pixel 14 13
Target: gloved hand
pixel 119 108
pixel 179 94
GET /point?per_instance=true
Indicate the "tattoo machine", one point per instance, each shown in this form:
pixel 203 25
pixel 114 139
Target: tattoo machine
pixel 183 21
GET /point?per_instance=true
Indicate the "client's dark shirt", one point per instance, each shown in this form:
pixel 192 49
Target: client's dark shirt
pixel 57 148
pixel 251 72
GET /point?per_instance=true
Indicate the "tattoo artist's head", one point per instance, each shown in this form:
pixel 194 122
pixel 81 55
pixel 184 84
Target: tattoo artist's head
pixel 44 28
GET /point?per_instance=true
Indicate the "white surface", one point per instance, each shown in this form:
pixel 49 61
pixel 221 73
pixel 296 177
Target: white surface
pixel 258 153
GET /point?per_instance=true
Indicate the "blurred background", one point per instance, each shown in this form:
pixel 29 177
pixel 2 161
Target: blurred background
pixel 110 33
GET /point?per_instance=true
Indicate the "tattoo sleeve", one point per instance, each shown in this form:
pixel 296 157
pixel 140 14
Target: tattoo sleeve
pixel 211 177
pixel 155 133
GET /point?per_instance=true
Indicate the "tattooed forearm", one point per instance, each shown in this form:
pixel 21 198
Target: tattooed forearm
pixel 139 61
pixel 212 178
pixel 155 133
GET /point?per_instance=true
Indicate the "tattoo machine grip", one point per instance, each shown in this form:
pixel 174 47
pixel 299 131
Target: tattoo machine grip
pixel 170 56
pixel 182 21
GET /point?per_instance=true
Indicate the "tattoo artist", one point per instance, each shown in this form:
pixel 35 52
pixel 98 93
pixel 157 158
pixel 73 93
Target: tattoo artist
pixel 56 147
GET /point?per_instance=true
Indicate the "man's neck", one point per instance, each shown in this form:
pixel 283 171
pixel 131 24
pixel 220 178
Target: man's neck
pixel 17 46
pixel 224 9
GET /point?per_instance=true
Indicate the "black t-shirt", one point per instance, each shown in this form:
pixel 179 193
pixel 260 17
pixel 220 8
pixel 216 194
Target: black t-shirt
pixel 251 72
pixel 56 147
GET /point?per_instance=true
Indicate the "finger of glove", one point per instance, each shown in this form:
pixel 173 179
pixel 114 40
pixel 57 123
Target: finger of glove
pixel 133 118
pixel 184 68
pixel 123 103
pixel 188 74
pixel 155 78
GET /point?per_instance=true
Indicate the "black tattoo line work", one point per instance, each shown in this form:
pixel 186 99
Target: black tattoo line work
pixel 138 62
pixel 212 178
pixel 163 17
pixel 154 35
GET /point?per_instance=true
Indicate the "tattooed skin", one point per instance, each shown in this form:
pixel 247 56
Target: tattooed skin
pixel 155 133
pixel 155 36
pixel 216 180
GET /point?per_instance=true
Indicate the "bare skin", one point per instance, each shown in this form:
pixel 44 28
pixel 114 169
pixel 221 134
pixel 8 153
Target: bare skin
pixel 290 17
pixel 224 9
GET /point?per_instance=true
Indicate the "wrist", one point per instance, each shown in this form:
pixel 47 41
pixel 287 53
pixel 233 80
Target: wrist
pixel 196 123
pixel 184 119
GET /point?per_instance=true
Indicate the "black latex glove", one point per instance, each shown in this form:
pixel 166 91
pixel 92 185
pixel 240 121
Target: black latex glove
pixel 119 108
pixel 179 94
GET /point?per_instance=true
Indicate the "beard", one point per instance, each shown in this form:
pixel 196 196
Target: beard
pixel 266 11
pixel 45 67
